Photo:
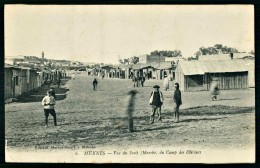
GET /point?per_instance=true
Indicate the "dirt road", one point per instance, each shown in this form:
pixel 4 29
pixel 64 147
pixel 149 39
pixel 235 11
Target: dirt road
pixel 87 117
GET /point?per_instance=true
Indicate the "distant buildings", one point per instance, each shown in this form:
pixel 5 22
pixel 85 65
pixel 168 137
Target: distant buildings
pixel 145 59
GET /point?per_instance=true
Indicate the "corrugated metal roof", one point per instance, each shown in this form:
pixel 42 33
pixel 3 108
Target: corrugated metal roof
pixel 217 66
pixel 215 57
pixel 162 65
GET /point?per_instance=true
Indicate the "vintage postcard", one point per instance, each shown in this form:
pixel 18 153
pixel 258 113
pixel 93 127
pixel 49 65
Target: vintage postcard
pixel 129 83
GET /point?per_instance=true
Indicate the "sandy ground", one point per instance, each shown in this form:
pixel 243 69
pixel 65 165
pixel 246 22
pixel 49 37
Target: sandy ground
pixel 98 118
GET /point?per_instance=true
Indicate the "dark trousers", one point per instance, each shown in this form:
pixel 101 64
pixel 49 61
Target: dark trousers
pixel 52 112
pixel 154 110
pixel 94 86
pixel 176 112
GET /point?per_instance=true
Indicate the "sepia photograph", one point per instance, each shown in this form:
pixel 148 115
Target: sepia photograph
pixel 129 83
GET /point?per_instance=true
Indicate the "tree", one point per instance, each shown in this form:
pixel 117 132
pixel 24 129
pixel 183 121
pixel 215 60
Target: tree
pixel 165 53
pixel 215 50
pixel 121 61
pixel 125 61
pixel 134 60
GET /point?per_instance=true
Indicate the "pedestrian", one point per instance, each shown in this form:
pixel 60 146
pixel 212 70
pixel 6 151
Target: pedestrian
pixel 142 81
pixel 166 83
pixel 73 76
pixel 59 82
pixel 134 80
pixel 130 109
pixel 177 102
pixel 137 81
pixel 95 82
pixel 103 76
pixel 156 101
pixel 214 89
pixel 48 102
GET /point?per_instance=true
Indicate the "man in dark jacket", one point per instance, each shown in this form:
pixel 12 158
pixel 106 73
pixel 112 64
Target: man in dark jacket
pixel 156 101
pixel 177 102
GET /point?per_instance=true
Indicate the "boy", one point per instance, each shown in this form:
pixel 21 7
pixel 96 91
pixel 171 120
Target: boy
pixel 156 101
pixel 48 102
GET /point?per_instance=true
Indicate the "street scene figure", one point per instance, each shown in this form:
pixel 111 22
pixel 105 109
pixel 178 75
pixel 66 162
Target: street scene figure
pixel 95 83
pixel 156 101
pixel 134 80
pixel 177 102
pixel 130 109
pixel 59 82
pixel 48 102
pixel 166 83
pixel 214 89
pixel 175 83
pixel 142 81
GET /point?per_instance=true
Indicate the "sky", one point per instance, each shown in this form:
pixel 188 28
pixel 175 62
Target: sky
pixel 105 33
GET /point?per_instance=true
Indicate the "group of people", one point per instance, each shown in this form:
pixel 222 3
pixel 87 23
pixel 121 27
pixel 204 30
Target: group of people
pixel 137 80
pixel 156 102
pixel 156 99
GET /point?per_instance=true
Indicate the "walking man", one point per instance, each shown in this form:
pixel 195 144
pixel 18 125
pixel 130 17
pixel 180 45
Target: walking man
pixel 177 102
pixel 95 82
pixel 48 102
pixel 156 101
pixel 130 109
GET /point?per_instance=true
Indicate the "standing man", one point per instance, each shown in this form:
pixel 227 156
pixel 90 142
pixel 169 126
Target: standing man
pixel 177 102
pixel 156 101
pixel 134 80
pixel 73 76
pixel 48 102
pixel 95 82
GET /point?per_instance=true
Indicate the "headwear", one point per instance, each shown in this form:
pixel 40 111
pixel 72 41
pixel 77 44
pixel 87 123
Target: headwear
pixel 156 86
pixel 177 85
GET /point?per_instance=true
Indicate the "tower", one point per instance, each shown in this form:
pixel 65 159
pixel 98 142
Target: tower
pixel 42 54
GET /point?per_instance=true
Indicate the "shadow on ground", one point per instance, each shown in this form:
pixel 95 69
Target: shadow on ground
pixel 38 94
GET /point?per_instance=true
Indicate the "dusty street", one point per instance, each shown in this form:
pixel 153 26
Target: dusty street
pixel 87 117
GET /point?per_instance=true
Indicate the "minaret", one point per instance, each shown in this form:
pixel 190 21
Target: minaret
pixel 42 54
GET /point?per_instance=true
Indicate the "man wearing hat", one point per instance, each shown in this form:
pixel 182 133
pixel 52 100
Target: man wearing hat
pixel 156 101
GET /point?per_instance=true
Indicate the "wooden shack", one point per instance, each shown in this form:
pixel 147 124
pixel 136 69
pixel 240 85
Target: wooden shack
pixel 197 75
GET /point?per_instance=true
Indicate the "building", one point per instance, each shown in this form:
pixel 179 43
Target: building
pixel 154 70
pixel 173 59
pixel 226 56
pixel 248 58
pixel 145 59
pixel 19 80
pixel 197 75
